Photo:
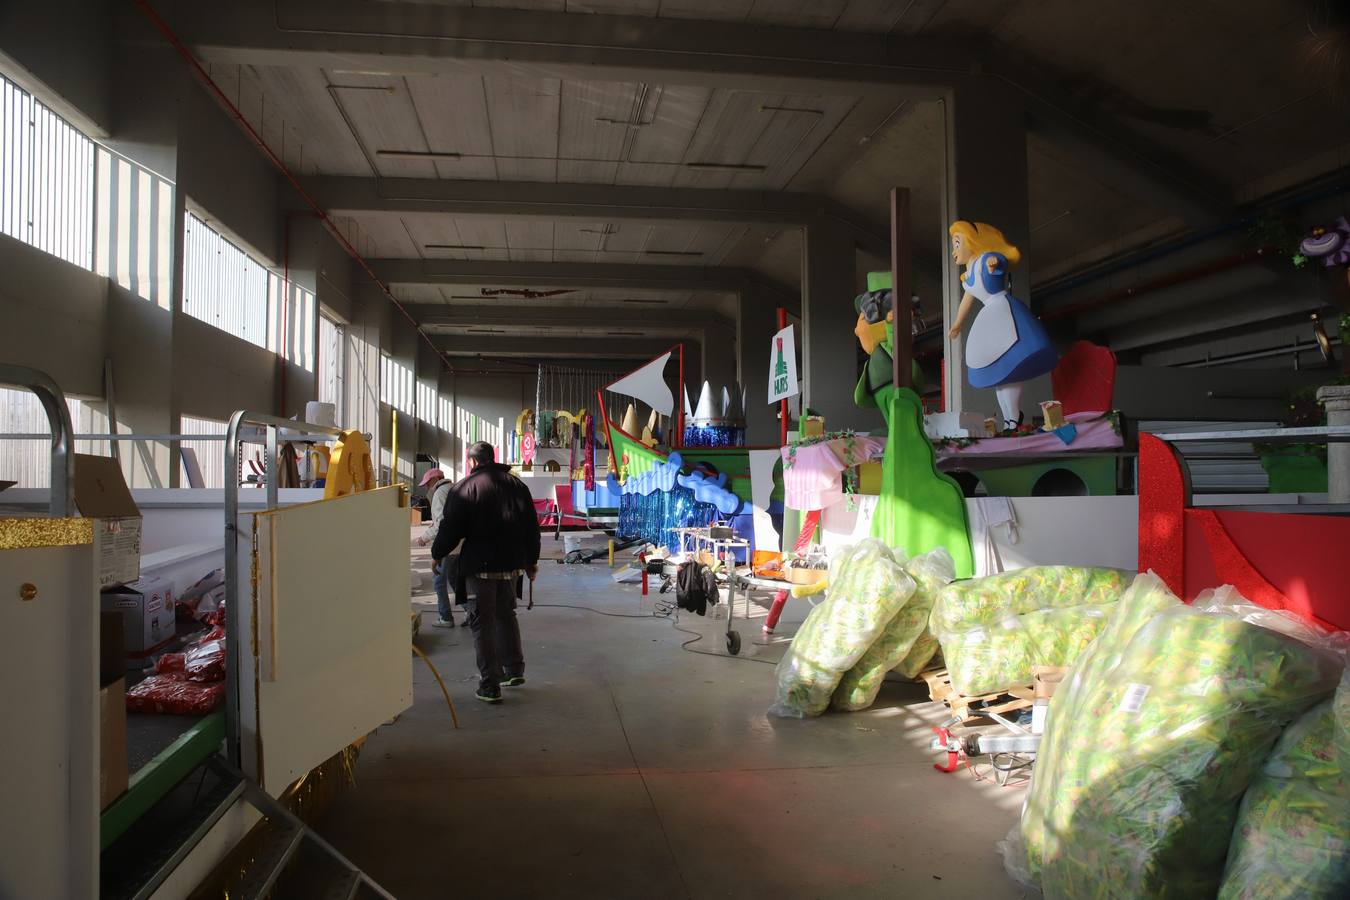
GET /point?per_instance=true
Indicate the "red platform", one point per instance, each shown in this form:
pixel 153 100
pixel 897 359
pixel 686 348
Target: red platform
pixel 1278 560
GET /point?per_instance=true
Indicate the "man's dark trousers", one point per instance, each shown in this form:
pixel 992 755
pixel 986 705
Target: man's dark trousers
pixel 491 605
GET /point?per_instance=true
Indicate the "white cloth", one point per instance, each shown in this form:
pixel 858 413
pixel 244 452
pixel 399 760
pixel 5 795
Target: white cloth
pixel 761 491
pixel 994 332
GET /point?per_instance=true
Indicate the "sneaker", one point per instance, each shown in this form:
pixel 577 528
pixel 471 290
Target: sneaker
pixel 517 681
pixel 443 623
pixel 489 695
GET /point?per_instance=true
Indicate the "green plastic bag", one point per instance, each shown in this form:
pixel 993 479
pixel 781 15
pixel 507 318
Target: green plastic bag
pixel 858 689
pixel 1292 839
pixel 994 630
pixel 1138 781
pixel 867 587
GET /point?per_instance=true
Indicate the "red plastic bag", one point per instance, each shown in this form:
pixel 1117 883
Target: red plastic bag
pixel 169 662
pixel 171 695
pixel 205 660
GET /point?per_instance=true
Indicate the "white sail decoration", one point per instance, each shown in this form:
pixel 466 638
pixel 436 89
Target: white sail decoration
pixel 705 411
pixel 648 384
pixel 630 421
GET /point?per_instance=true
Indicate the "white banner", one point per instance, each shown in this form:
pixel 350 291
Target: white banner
pixel 782 366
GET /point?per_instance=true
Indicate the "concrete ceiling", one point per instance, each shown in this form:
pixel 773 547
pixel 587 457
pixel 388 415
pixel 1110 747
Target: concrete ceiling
pixel 1147 118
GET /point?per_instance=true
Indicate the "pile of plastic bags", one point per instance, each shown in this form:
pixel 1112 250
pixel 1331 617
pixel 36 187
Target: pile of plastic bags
pixel 1153 740
pixel 994 629
pixel 1292 838
pixel 896 645
pixel 868 587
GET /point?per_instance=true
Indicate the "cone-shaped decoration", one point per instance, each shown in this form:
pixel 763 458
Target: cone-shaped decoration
pixel 726 402
pixel 688 407
pixel 735 410
pixel 652 422
pixel 630 421
pixel 705 412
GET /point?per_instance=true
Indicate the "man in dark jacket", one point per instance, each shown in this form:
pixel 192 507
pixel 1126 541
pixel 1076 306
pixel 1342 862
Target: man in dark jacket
pixel 492 511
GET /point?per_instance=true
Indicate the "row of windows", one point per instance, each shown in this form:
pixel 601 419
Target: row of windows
pixel 67 196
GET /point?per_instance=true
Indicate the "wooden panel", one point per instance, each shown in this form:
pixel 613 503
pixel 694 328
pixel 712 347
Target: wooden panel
pixel 331 606
pixel 49 755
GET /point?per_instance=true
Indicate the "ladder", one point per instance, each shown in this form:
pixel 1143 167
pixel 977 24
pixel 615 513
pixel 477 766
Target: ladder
pixel 286 839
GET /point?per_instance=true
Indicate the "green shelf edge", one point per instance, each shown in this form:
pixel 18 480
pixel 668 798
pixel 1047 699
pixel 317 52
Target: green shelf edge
pixel 159 776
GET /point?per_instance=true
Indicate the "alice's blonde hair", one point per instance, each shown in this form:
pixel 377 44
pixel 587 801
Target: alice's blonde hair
pixel 983 238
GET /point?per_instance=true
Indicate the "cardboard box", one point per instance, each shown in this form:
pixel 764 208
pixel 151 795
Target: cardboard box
pixel 101 493
pixel 148 626
pixel 112 733
pixel 1045 681
pixel 111 664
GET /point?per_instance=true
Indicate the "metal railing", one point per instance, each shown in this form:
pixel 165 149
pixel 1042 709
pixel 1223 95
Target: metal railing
pixel 62 436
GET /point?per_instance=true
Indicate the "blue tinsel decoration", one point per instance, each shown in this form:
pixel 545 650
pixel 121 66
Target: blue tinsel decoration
pixel 653 517
pixel 714 436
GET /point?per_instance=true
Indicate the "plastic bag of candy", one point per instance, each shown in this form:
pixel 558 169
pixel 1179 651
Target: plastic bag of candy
pixel 931 572
pixel 1164 723
pixel 867 587
pixel 205 660
pixel 993 630
pixel 171 694
pixel 1292 838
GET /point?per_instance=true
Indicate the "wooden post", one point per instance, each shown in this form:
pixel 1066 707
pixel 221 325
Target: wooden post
pixel 902 333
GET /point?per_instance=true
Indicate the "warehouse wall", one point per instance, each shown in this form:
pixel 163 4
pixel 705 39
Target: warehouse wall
pixel 65 47
pixel 55 315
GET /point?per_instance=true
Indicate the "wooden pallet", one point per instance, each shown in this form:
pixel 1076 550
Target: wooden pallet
pixel 970 710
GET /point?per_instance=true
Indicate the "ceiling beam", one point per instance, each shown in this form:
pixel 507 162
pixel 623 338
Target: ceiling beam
pixel 409 38
pixel 556 317
pixel 575 275
pixel 548 201
pixel 585 347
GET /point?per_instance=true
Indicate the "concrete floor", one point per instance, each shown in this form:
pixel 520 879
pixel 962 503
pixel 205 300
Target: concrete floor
pixel 628 768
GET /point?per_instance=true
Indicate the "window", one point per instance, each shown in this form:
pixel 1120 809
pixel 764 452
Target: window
pixel 226 287
pixel 446 418
pixel 134 240
pixel 210 454
pixel 332 362
pixel 396 384
pixel 29 462
pixel 426 403
pixel 46 178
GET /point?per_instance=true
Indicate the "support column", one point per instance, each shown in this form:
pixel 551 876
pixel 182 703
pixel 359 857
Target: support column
pixel 829 364
pixel 1336 399
pixel 756 322
pixel 986 181
pixel 719 356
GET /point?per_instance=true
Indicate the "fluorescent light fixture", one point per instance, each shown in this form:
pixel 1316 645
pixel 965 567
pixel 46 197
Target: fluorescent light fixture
pixel 727 167
pixel 645 300
pixel 454 247
pixel 415 154
pixel 625 334
pixel 485 331
pixel 673 252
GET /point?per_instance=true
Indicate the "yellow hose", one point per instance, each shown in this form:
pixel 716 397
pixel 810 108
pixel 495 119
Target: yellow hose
pixel 448 702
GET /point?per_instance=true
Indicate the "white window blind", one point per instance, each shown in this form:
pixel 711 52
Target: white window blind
pixel 135 228
pixel 29 462
pixel 396 384
pixel 226 287
pixel 332 362
pixel 46 178
pixel 210 454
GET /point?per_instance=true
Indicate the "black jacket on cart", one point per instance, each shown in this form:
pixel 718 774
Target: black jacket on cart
pixel 492 511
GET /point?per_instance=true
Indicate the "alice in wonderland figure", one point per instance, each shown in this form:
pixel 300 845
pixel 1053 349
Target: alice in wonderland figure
pixel 1007 344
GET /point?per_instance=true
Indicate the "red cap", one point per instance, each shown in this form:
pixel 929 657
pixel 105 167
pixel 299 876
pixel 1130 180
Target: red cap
pixel 431 476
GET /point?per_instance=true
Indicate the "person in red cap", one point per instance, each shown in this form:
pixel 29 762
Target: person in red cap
pixel 438 492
